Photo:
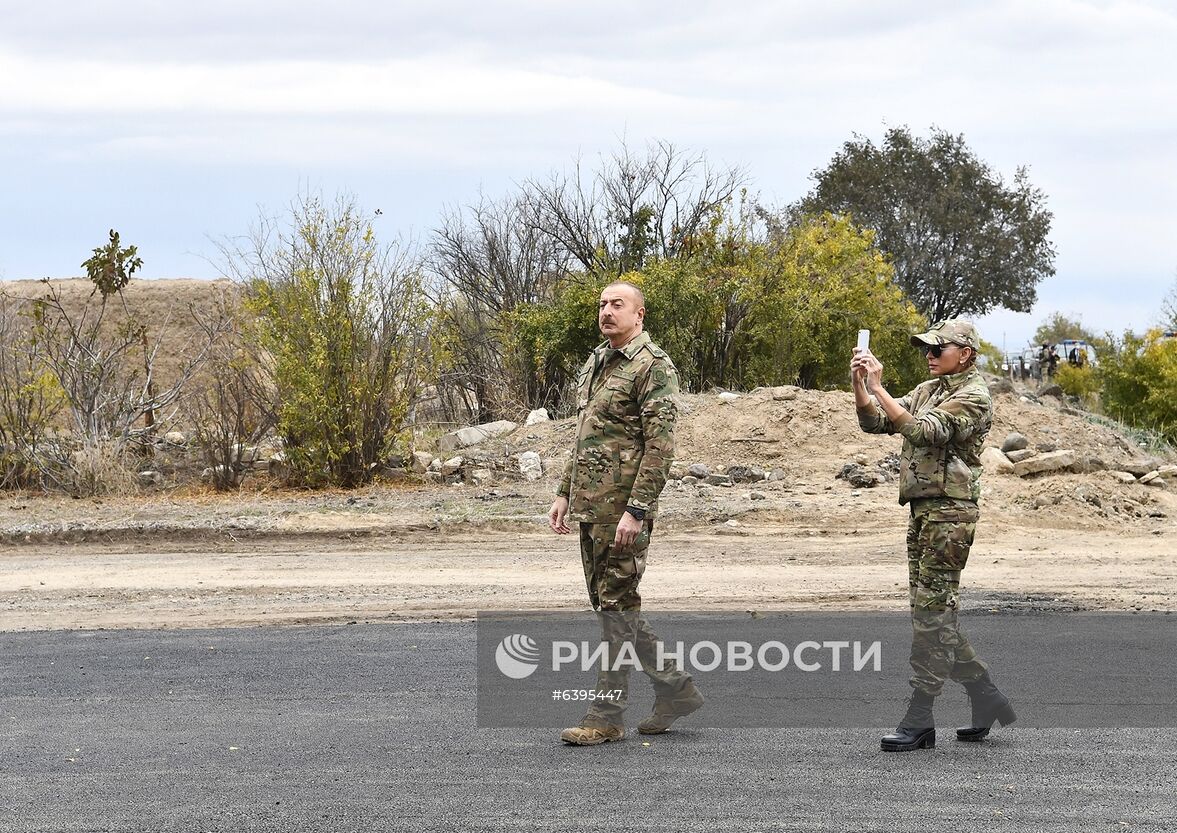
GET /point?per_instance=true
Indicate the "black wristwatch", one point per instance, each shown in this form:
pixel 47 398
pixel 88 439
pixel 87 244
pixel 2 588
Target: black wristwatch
pixel 638 514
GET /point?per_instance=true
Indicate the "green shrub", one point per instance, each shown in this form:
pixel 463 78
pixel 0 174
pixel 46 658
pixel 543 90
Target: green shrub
pixel 1077 381
pixel 344 321
pixel 821 282
pixel 1138 382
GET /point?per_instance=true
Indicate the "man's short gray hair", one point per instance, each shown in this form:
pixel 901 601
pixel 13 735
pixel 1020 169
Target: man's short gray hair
pixel 641 296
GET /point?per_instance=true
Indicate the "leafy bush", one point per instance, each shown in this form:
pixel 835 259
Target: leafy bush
pixel 344 321
pixel 1138 379
pixel 1077 381
pixel 822 281
pixel 31 399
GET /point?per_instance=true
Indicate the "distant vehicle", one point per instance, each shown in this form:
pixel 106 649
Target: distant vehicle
pixel 1015 365
pixel 1030 357
pixel 1077 351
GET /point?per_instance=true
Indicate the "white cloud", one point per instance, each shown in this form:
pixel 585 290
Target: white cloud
pixel 432 86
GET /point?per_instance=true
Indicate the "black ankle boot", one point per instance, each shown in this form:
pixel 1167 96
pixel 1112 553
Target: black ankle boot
pixel 916 729
pixel 989 706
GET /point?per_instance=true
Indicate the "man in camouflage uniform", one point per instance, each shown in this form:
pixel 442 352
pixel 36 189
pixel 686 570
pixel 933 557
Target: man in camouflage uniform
pixel 944 423
pixel 624 447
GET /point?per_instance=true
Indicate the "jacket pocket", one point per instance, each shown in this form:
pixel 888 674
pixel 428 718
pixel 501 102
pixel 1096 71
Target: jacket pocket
pixel 620 389
pixel 958 477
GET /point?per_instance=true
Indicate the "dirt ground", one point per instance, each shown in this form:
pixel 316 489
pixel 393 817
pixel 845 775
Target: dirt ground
pixel 427 553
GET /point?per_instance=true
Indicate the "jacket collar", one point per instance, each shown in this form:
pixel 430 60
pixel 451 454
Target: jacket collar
pixel 955 381
pixel 630 350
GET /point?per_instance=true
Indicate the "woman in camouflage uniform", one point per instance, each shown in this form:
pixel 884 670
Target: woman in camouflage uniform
pixel 944 422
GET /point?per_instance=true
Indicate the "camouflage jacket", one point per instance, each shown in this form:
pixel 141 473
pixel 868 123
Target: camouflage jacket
pixel 625 415
pixel 942 444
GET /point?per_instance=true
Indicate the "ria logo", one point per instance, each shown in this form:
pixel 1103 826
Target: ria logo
pixel 517 656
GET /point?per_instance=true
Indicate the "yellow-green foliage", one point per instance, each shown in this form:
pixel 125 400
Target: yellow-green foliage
pixel 31 398
pixel 30 401
pixel 822 282
pixel 1077 381
pixel 343 321
pixel 1138 379
pixel 737 311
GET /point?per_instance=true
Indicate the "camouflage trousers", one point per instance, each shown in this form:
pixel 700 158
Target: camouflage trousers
pixel 612 578
pixel 938 540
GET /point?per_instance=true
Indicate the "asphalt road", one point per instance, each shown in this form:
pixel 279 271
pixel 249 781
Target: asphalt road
pixel 372 728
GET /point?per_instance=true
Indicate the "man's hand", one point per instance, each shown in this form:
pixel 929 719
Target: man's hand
pixel 628 529
pixel 558 516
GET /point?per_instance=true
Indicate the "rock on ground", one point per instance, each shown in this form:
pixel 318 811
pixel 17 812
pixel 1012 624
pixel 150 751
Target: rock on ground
pixel 475 434
pixel 1014 442
pixel 1142 466
pixel 992 460
pixel 421 461
pixel 530 465
pixel 1050 461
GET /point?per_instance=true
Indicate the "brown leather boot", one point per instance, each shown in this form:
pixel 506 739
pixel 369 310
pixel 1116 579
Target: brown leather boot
pixel 592 735
pixel 667 710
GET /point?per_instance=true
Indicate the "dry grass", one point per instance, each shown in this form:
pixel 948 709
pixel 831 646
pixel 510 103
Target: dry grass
pixel 165 306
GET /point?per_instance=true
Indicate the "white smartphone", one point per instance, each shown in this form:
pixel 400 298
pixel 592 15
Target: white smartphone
pixel 864 339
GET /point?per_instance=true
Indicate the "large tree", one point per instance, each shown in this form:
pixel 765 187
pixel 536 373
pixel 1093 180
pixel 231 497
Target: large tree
pixel 962 240
pixel 1057 327
pixel 633 206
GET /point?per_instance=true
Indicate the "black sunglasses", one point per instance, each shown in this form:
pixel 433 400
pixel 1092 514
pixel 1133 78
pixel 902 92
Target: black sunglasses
pixel 934 350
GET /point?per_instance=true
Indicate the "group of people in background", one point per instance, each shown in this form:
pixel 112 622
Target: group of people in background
pixel 1044 364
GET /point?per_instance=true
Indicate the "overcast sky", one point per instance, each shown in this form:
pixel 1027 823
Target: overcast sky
pixel 174 122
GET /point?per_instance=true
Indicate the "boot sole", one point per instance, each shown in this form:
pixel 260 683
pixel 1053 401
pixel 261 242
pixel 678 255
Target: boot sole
pixel 973 734
pixel 924 741
pixel 568 742
pixel 976 734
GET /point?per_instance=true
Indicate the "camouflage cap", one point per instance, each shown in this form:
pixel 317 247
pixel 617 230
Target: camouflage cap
pixel 954 330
